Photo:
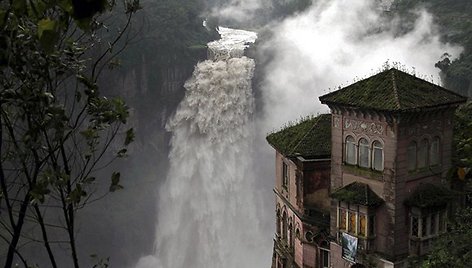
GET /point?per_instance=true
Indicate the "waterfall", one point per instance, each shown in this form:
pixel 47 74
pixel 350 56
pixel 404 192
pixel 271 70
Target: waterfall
pixel 207 216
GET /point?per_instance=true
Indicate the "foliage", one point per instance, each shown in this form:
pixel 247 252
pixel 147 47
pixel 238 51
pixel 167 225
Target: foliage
pixel 463 136
pixel 56 128
pixel 453 248
pixel 455 23
pixel 174 29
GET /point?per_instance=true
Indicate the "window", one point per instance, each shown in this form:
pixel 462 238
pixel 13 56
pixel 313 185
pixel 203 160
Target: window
pixel 364 155
pixel 324 254
pixel 284 225
pixel 427 225
pixel 414 228
pixel 350 151
pixel 352 222
pixel 377 156
pixel 290 235
pixel 362 225
pixel 342 219
pixel 371 229
pixel 279 223
pixel 434 152
pixel 285 175
pixel 423 153
pixel 412 156
pixel 356 221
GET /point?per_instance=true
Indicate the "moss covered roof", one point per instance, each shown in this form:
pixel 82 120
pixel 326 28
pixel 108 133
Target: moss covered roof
pixel 430 195
pixel 310 138
pixel 392 90
pixel 357 193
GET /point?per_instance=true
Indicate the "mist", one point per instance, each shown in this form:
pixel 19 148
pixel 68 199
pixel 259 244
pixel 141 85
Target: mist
pixel 336 43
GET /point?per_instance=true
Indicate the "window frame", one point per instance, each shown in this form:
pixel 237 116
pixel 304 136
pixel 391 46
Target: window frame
pixel 424 223
pixel 382 157
pixel 435 150
pixel 350 145
pixel 285 175
pixel 324 249
pixel 357 211
pixel 361 147
pixel 423 152
pixel 412 159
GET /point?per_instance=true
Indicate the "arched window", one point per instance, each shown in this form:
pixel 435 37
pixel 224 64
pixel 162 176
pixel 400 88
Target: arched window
pixel 279 223
pixel 434 152
pixel 350 151
pixel 377 156
pixel 284 225
pixel 412 156
pixel 423 153
pixel 290 235
pixel 364 155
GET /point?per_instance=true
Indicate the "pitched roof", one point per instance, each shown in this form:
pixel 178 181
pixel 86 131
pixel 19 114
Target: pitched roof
pixel 430 195
pixel 357 193
pixel 392 90
pixel 311 138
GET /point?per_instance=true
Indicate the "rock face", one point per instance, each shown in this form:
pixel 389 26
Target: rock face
pixel 125 221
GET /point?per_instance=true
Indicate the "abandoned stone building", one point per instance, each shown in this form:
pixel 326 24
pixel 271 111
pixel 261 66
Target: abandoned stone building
pixel 365 185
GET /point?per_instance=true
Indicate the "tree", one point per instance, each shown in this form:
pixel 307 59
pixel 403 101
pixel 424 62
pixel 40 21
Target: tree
pixel 57 129
pixel 453 248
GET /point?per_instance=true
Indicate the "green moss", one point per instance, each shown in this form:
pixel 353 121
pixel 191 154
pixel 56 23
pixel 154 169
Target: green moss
pixel 310 137
pixel 392 90
pixel 357 193
pixel 363 172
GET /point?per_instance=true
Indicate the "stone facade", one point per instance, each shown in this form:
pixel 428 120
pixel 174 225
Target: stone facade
pixel 302 209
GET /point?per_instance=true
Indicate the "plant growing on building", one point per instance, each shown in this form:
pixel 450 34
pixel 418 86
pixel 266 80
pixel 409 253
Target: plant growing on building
pixel 57 129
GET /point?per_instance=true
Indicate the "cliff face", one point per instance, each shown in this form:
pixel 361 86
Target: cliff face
pixel 150 79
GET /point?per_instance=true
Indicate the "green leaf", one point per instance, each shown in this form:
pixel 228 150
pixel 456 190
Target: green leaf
pixel 115 182
pixel 48 34
pixel 19 6
pixel 66 5
pixel 122 153
pixel 89 180
pixel 46 25
pixel 129 136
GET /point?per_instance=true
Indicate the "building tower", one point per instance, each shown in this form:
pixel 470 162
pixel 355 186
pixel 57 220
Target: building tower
pixel 391 149
pixel 364 186
pixel 302 193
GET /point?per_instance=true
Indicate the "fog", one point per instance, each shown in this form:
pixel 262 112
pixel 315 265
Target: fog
pixel 336 43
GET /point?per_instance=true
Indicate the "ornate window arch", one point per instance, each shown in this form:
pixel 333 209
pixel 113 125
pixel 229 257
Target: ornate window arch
pixel 423 153
pixel 411 154
pixel 377 156
pixel 350 151
pixel 290 234
pixel 279 222
pixel 435 152
pixel 364 153
pixel 284 225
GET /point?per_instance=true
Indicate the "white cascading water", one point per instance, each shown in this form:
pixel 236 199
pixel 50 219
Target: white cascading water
pixel 206 208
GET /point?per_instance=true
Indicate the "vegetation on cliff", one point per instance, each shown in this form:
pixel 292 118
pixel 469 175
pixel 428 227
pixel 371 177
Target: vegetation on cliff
pixel 455 26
